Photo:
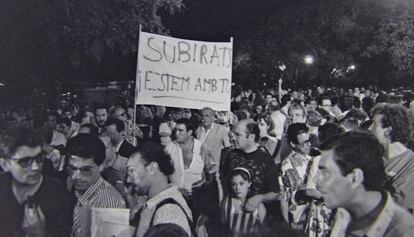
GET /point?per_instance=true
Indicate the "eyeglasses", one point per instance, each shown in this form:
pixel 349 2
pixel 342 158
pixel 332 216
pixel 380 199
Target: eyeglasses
pixel 84 171
pixel 27 161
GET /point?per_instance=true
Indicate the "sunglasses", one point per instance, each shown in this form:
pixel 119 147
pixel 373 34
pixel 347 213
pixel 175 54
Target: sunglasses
pixel 26 162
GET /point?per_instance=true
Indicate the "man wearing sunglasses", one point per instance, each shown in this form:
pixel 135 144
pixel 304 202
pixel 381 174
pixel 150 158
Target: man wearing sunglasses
pixel 31 204
pixel 86 155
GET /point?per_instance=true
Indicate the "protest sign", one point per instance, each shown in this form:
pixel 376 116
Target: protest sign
pixel 110 222
pixel 184 73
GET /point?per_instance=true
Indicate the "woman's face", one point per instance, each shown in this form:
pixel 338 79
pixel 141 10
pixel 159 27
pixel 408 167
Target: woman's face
pixel 240 186
pixel 263 127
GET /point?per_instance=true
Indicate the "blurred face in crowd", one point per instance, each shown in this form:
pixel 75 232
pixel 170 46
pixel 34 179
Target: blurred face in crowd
pixel 320 90
pixel 304 145
pixel 263 127
pixel 51 122
pixel 89 118
pixel 297 116
pixel 25 165
pixel 62 128
pixel 101 115
pixel 83 172
pixel 382 134
pixel 326 105
pixel 111 132
pixel 181 133
pixel 268 98
pixel 67 114
pixel 63 104
pixel 207 117
pixel 120 114
pixel 240 186
pixel 336 188
pixel 138 173
pixel 312 105
pixel 242 140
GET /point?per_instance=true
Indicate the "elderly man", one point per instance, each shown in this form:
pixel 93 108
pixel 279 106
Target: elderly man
pixel 391 126
pixel 350 177
pixel 148 172
pixel 213 136
pixel 31 204
pixel 86 155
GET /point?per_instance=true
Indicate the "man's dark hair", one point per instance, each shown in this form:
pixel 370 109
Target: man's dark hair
pixel 65 121
pixel 189 125
pixel 253 128
pixel 166 229
pixel 328 130
pixel 347 103
pixel 120 125
pixel 294 130
pixel 100 106
pixel 322 98
pixel 359 150
pixel 154 152
pixel 285 99
pixel 13 138
pixel 396 117
pixel 92 129
pixel 87 146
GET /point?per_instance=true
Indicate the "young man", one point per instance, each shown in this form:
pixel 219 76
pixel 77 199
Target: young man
pixel 31 204
pixel 351 177
pixel 391 126
pixel 148 171
pixel 86 155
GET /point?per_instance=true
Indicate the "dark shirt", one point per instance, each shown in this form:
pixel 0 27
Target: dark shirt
pixel 260 165
pixel 52 198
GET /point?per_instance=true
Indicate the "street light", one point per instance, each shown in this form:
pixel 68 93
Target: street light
pixel 282 67
pixel 2 84
pixel 308 59
pixel 351 67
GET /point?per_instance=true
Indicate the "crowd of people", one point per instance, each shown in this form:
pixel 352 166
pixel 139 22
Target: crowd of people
pixel 317 162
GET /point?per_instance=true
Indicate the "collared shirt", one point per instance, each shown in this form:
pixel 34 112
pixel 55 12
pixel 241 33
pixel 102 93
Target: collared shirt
pixel 204 132
pixel 101 194
pixel 169 213
pixel 392 221
pixel 116 174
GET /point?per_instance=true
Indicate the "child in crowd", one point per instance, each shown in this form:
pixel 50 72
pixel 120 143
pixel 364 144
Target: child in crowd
pixel 238 222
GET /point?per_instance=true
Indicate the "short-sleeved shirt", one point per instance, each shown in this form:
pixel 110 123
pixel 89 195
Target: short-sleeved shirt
pixel 260 165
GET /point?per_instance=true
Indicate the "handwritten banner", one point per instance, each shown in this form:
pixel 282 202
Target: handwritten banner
pixel 184 73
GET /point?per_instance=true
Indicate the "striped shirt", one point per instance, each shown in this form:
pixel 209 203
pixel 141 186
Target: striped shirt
pixel 239 223
pixel 116 174
pixel 101 194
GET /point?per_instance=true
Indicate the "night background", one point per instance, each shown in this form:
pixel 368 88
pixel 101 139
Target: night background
pixel 57 46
